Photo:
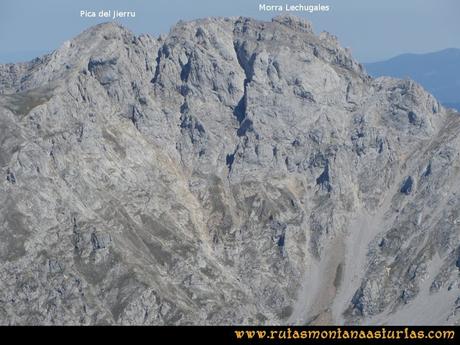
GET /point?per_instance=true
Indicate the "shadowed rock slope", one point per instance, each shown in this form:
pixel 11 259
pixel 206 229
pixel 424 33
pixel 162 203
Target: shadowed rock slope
pixel 232 171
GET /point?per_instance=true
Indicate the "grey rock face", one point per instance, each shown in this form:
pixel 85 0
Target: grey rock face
pixel 233 171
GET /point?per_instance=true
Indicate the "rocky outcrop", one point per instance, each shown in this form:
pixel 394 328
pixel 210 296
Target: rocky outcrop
pixel 232 171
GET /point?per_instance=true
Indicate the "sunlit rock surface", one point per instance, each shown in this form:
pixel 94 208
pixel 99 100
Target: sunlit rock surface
pixel 231 172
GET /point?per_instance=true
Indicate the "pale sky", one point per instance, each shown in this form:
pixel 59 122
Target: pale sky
pixel 373 29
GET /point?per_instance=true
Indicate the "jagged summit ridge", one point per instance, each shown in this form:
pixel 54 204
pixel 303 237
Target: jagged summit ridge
pixel 231 171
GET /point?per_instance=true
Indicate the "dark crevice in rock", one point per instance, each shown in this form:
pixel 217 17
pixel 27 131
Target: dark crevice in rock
pixel 246 126
pixel 76 234
pixel 184 108
pixel 157 67
pixel 406 187
pixel 80 132
pixel 104 71
pixel 94 63
pixel 427 171
pixel 304 94
pixel 246 62
pixel 229 160
pixel 199 127
pixel 296 143
pixel 324 179
pixel 241 115
pixel 316 52
pixel 278 234
pixel 10 176
pixel 185 71
pixel 135 116
pixel 357 301
pixel 281 240
pixel 380 150
pixel 100 240
pixel 407 295
pixel 240 110
pixel 348 92
pixel 412 117
pixel 191 125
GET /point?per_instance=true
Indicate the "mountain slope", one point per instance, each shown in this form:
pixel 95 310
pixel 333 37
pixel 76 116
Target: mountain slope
pixel 438 72
pixel 233 171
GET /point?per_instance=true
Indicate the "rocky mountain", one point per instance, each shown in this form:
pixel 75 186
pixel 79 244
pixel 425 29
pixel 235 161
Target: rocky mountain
pixel 231 172
pixel 438 72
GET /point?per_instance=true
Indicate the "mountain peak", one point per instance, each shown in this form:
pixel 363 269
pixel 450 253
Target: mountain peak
pixel 295 22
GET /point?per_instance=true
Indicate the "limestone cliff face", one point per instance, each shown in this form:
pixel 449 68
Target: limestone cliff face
pixel 233 171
